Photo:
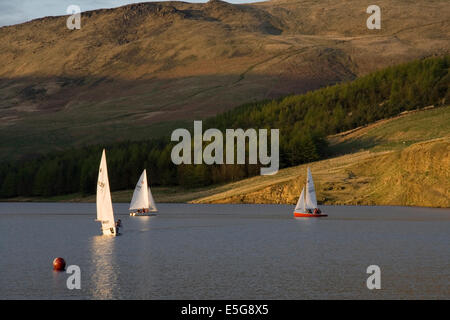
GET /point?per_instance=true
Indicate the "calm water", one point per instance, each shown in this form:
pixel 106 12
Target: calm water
pixel 225 252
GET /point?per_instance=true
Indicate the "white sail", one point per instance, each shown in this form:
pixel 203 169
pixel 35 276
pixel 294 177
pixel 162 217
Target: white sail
pixel 301 202
pixel 311 201
pixel 151 202
pixel 140 198
pixel 105 212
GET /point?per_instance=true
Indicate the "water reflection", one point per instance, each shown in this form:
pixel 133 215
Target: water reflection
pixel 59 283
pixel 144 222
pixel 104 274
pixel 308 223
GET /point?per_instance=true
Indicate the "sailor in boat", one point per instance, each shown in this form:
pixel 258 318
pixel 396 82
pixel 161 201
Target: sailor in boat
pixel 118 225
pixel 316 211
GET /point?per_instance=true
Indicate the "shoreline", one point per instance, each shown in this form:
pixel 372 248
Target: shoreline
pixel 41 201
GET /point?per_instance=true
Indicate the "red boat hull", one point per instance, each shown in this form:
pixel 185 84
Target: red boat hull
pixel 309 215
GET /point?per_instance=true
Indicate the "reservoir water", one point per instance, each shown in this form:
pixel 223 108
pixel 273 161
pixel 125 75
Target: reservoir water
pixel 225 252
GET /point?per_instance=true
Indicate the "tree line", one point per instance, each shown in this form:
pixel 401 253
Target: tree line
pixel 304 122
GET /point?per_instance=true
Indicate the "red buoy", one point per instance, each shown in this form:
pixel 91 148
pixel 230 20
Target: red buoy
pixel 59 264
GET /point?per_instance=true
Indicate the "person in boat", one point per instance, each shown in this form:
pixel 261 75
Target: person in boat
pixel 317 211
pixel 308 211
pixel 118 225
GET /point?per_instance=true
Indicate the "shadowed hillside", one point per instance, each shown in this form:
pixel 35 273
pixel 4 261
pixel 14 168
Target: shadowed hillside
pixel 130 72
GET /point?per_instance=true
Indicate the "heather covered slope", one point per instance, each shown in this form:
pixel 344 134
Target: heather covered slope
pixel 138 71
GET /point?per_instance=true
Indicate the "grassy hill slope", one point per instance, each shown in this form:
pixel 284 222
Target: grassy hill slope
pixel 400 161
pixel 138 71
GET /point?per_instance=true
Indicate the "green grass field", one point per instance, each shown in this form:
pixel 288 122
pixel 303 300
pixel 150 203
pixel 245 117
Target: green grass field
pixel 394 134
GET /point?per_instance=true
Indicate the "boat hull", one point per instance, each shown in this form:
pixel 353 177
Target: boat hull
pixel 146 214
pixel 309 215
pixel 110 232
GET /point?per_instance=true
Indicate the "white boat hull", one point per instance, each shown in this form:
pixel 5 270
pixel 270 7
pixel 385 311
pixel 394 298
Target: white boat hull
pixel 145 214
pixel 110 232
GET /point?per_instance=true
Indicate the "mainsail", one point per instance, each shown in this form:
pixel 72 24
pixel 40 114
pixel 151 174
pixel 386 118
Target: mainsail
pixel 301 202
pixel 311 201
pixel 140 198
pixel 105 212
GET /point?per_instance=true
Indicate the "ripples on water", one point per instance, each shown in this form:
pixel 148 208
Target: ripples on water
pixel 225 252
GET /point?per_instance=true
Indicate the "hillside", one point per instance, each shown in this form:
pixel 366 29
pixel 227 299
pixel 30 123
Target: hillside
pixel 410 167
pixel 138 71
pixel 304 122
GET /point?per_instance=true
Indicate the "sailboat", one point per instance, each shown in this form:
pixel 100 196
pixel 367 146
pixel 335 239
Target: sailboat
pixel 105 213
pixel 307 203
pixel 142 203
